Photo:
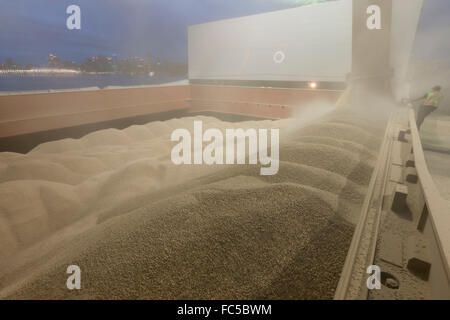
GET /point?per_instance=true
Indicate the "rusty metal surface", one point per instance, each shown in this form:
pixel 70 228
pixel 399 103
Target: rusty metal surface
pixel 34 112
pixel 273 103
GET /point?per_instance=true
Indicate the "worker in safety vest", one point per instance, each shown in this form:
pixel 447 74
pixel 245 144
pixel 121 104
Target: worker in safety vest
pixel 431 103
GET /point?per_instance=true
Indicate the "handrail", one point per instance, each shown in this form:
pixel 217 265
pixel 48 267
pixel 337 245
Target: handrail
pixel 438 208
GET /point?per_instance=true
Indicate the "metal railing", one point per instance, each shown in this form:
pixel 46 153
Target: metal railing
pixel 435 219
pixel 423 200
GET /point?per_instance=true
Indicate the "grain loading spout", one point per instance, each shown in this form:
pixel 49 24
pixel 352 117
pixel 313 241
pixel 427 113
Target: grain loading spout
pixel 383 35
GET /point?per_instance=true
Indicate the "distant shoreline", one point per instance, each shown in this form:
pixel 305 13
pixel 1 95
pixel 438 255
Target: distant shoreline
pixel 62 71
pixel 22 83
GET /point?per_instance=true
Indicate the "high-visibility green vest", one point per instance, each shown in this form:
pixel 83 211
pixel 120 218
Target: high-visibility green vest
pixel 433 99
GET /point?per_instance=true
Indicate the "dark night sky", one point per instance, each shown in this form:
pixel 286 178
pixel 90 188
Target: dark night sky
pixel 31 29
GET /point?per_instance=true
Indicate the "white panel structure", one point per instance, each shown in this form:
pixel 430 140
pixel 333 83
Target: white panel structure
pixel 310 43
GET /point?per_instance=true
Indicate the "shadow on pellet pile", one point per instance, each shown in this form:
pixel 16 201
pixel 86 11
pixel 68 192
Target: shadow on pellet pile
pixel 233 234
